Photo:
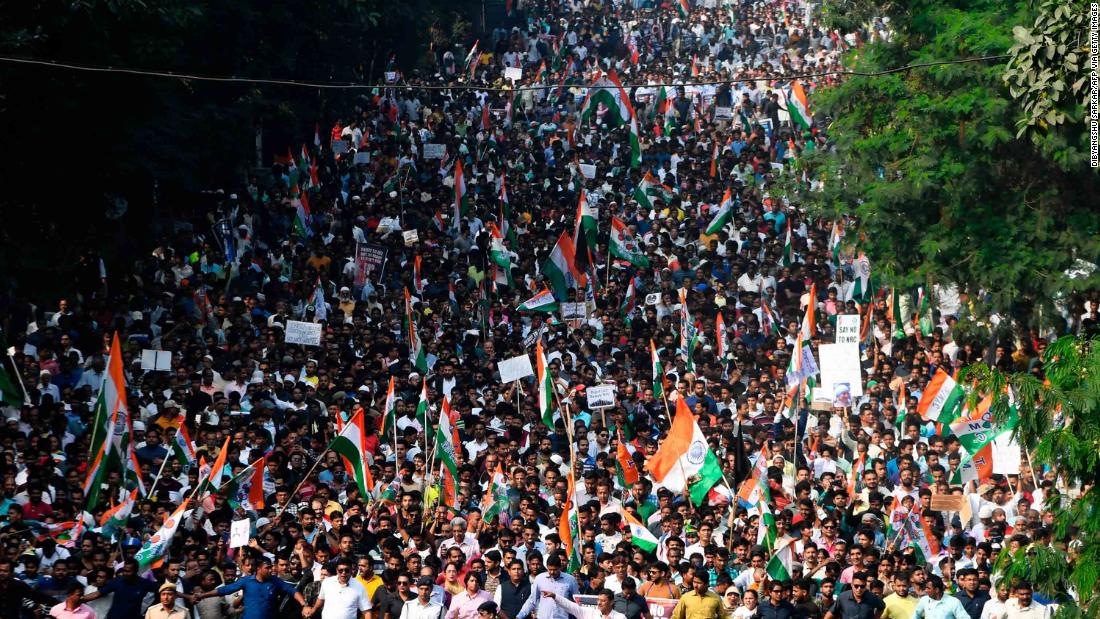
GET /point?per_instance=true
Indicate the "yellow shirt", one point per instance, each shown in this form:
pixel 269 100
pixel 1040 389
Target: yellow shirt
pixel 370 585
pixel 695 606
pixel 898 607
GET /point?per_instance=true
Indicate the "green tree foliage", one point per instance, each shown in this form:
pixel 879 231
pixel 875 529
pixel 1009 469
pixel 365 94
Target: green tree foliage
pixel 1060 427
pixel 929 161
pixel 1048 72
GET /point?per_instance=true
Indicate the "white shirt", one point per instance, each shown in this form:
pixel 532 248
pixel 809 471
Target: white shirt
pixel 1034 610
pixel 585 612
pixel 415 609
pixel 343 601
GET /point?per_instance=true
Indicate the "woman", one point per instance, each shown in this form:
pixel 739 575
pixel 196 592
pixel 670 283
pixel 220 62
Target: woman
pixel 451 583
pixel 747 610
pixel 658 585
pixel 464 605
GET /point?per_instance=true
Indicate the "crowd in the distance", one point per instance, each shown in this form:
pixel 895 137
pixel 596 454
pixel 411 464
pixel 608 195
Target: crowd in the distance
pixel 220 303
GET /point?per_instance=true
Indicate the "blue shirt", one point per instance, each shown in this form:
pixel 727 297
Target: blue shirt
pixel 259 597
pixel 947 607
pixel 563 586
pixel 129 593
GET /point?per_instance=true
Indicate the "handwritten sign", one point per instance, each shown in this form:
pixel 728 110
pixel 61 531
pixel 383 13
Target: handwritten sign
pixel 156 360
pixel 600 396
pixel 514 369
pixel 239 532
pixel 339 147
pixel 513 73
pixel 588 170
pixel 574 311
pixel 304 333
pixel 369 258
pixel 847 329
pixel 435 151
pixel 411 237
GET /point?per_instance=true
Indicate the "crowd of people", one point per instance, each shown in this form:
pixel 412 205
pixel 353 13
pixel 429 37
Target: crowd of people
pixel 424 235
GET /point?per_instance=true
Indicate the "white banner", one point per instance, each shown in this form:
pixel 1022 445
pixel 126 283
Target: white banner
pixel 515 369
pixel 839 365
pixel 305 333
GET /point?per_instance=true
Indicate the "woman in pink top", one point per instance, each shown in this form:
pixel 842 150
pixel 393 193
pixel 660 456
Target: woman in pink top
pixel 464 605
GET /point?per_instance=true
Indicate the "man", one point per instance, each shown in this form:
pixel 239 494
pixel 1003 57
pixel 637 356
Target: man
pixel 513 591
pixel 341 597
pixel 71 608
pixel 776 606
pixel 167 607
pixel 700 602
pixel 857 602
pixel 1023 607
pixel 423 607
pixel 973 599
pixel 995 607
pixel 259 591
pixel 629 603
pixel 466 542
pixel 899 604
pixel 804 606
pixel 935 605
pixel 129 590
pixel 552 581
pixel 603 610
pixel 390 598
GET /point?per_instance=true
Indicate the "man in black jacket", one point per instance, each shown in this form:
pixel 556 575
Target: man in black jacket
pixel 15 592
pixel 513 591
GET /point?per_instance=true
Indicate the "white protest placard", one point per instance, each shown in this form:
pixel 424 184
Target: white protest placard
pixel 514 369
pixel 361 157
pixel 305 333
pixel 723 113
pixel 435 151
pixel 387 225
pixel 156 360
pixel 574 311
pixel 588 170
pixel 653 298
pixel 411 237
pixel 239 532
pixel 600 396
pixel 513 73
pixel 339 147
pixel 840 368
pixel 847 329
pixel 1006 455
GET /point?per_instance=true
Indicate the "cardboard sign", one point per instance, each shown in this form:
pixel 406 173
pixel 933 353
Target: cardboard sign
pixel 723 113
pixel 361 157
pixel 948 502
pixel 369 258
pixel 514 369
pixel 839 365
pixel 435 151
pixel 239 533
pixel 339 147
pixel 411 237
pixel 304 333
pixel 847 329
pixel 513 73
pixel 574 311
pixel 156 360
pixel 600 396
pixel 588 170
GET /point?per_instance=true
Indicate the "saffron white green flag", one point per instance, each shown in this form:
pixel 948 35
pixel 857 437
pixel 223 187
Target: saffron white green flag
pixel 608 91
pixel 623 245
pixel 152 553
pixel 724 214
pixel 781 564
pixel 639 535
pixel 541 302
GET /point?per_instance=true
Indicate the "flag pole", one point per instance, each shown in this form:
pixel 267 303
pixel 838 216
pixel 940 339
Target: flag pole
pixel 160 472
pixel 320 458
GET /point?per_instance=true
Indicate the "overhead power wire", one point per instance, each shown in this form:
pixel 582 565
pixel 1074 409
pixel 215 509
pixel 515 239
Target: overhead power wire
pixel 361 86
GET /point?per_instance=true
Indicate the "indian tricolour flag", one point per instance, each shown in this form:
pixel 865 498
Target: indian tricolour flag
pixel 635 141
pixel 301 212
pixel 182 446
pixel 495 501
pixel 658 371
pixel 862 290
pixel 115 519
pixel 640 536
pixel 544 301
pixel 446 445
pixel 834 242
pixel 788 247
pixel 546 386
pixel 152 553
pixel 500 256
pixel 422 405
pixel 460 195
pixel 623 245
pixel 607 90
pixel 682 7
pixel 781 564
pixel 650 186
pixel 418 281
pixel 942 399
pixel 561 268
pixel 724 214
pixel 585 226
pixel 798 106
pixel 112 449
pixel 684 460
pixel 416 346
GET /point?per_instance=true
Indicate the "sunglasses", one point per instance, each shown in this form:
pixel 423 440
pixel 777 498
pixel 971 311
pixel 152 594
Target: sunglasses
pixel 342 570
